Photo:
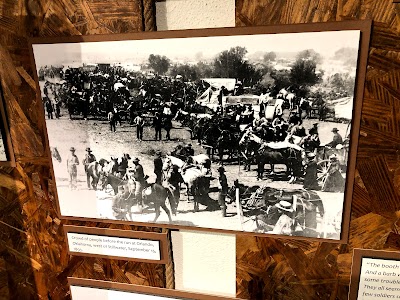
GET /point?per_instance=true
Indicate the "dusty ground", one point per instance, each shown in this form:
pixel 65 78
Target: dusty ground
pixel 64 133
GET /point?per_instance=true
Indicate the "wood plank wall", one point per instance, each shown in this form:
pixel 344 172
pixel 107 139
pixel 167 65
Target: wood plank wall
pixel 33 259
pixel 280 269
pixel 33 256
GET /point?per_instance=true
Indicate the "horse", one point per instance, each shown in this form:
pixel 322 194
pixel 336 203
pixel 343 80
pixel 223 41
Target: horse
pixel 157 194
pixel 266 155
pixel 197 183
pixel 55 154
pixel 107 178
pixel 94 171
pixel 226 141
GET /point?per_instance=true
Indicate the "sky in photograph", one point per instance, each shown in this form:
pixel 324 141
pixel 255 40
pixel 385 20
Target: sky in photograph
pixel 188 49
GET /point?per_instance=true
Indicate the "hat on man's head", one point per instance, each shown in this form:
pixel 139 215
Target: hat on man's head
pixel 88 149
pixel 285 205
pixel 135 159
pixel 315 124
pixel 72 149
pixel 221 169
pixel 334 129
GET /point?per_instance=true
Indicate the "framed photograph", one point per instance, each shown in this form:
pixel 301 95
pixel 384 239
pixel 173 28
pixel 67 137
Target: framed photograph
pixel 241 129
pixel 375 274
pixel 105 290
pixel 6 150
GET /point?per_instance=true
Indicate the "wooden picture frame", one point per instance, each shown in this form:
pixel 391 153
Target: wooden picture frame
pixel 157 293
pixel 159 41
pixel 358 256
pixel 161 238
pixel 6 150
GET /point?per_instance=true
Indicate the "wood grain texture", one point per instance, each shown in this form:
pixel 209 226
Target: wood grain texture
pixel 282 269
pixel 34 262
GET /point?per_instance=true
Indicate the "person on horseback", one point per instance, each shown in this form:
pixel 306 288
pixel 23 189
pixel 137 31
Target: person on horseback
pixel 223 190
pixel 89 157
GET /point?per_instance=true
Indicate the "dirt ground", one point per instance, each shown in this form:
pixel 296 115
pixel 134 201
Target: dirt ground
pixel 64 133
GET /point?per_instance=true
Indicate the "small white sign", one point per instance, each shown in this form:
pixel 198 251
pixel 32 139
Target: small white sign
pixel 379 279
pixel 114 246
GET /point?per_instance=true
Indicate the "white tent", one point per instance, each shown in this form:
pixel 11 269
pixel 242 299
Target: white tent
pixel 217 83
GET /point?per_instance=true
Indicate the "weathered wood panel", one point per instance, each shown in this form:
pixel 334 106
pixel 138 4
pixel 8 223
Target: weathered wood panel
pixel 34 263
pixel 277 269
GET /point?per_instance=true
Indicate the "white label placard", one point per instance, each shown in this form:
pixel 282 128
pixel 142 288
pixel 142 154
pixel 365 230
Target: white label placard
pixel 114 246
pixel 379 279
pixel 84 293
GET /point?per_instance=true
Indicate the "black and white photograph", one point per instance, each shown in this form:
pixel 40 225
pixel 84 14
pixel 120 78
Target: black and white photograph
pixel 239 132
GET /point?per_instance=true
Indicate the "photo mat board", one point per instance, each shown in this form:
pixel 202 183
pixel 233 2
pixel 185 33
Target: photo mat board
pixel 104 290
pixel 375 274
pixel 6 150
pixel 277 106
pixel 139 246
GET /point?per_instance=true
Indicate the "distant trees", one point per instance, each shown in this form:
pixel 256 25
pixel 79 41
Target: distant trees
pixel 160 64
pixel 233 64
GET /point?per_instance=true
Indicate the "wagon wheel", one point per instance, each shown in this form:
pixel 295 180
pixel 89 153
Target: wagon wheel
pixel 322 171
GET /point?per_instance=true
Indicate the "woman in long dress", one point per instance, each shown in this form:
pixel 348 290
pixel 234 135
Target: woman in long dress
pixel 334 181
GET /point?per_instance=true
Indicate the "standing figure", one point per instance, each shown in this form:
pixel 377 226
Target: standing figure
pixel 139 122
pixel 158 166
pixel 157 123
pixel 138 175
pixel 334 181
pixel 49 108
pixel 72 162
pixel 223 190
pixel 310 177
pixel 175 179
pixel 89 158
pixel 111 120
pixel 168 127
pixel 189 150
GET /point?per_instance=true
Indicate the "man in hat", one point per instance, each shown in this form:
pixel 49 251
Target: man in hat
pixel 223 189
pixel 157 123
pixel 123 165
pixel 314 129
pixel 285 223
pixel 89 158
pixel 158 165
pixel 138 175
pixel 175 179
pixel 168 127
pixel 336 140
pixel 310 178
pixel 139 122
pixel 72 162
pixel 189 150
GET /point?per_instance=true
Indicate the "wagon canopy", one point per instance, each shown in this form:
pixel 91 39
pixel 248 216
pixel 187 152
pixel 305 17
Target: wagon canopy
pixel 244 99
